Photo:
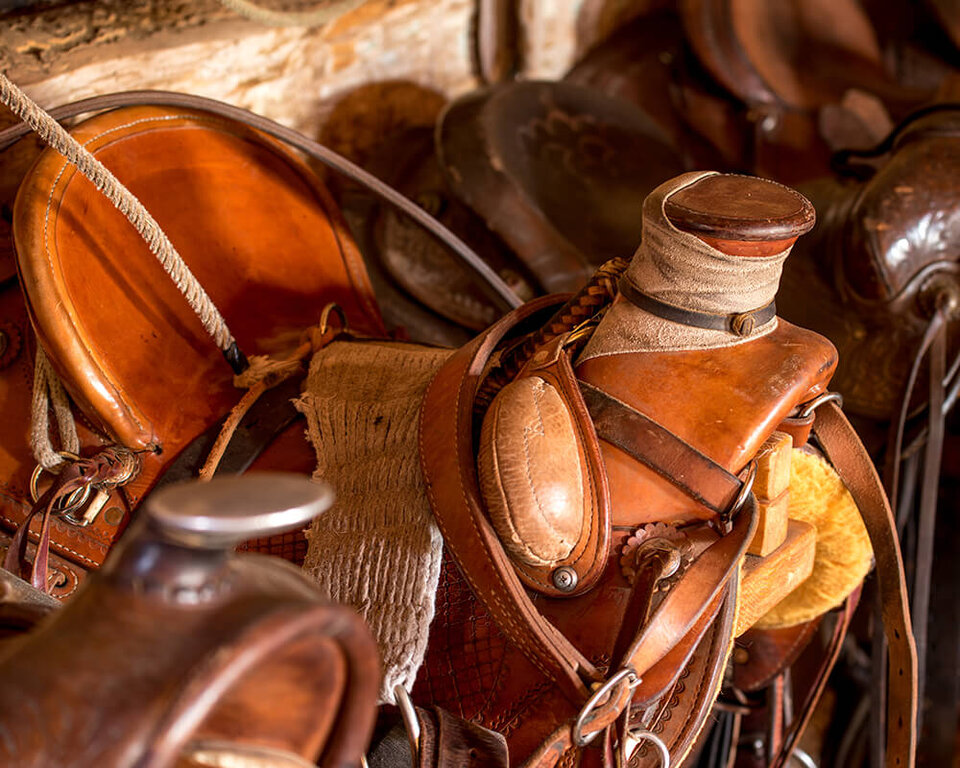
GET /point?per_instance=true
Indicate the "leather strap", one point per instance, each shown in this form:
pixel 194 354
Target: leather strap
pixel 489 281
pixel 657 448
pixel 802 720
pixel 104 468
pixel 845 452
pixel 737 323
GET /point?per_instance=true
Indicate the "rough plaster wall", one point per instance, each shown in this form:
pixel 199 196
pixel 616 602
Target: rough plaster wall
pixel 292 74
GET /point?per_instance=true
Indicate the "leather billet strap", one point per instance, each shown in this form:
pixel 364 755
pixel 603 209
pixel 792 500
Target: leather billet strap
pixel 656 447
pixel 845 452
pixel 737 323
pixel 447 459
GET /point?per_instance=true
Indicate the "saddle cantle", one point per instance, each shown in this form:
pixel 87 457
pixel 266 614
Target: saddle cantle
pixel 556 170
pixel 179 652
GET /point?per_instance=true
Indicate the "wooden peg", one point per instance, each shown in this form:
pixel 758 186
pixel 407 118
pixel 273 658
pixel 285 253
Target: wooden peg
pixel 772 489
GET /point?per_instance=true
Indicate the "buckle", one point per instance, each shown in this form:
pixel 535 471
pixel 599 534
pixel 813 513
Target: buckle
pixel 632 679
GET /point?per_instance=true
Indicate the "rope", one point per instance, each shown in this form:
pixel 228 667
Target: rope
pixel 273 18
pixel 48 390
pixel 57 137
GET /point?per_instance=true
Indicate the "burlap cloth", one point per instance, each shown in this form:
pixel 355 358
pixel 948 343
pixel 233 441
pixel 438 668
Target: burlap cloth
pixel 378 548
pixel 680 269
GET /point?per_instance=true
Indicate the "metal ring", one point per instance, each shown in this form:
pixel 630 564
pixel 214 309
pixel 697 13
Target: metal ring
pixel 325 318
pixel 745 491
pixel 826 397
pixel 410 720
pixel 664 753
pixel 73 501
pixel 578 738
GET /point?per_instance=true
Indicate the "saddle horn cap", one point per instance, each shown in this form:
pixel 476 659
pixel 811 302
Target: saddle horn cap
pixel 743 209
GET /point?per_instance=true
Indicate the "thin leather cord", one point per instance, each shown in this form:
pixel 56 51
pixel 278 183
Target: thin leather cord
pixel 57 137
pixel 271 18
pixel 489 281
pixel 48 390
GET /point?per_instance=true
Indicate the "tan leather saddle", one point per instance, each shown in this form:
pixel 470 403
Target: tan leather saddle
pixel 259 232
pixel 596 515
pixel 179 652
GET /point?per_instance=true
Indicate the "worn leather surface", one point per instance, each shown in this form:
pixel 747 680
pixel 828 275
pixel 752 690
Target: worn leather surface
pixel 256 228
pixel 724 402
pixel 557 170
pixel 530 475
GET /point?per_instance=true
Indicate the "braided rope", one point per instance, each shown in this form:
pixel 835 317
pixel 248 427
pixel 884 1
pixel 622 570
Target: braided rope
pixel 588 302
pixel 57 137
pixel 273 18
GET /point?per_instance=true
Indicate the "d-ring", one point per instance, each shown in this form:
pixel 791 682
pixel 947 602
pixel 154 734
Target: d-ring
pixel 633 739
pixel 72 501
pixel 826 397
pixel 624 674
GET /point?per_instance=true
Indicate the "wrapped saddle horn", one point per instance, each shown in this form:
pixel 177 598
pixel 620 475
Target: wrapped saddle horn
pixel 180 653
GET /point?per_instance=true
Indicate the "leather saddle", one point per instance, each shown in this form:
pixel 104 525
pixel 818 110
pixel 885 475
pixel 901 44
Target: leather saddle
pixel 179 652
pixel 557 171
pixel 880 278
pixel 596 510
pixel 257 229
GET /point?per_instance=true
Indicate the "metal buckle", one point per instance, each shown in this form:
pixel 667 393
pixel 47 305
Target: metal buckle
pixel 410 721
pixel 624 674
pixel 826 397
pixel 632 741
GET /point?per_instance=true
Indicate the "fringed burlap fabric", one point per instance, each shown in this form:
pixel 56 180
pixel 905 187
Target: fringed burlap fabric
pixel 378 548
pixel 678 268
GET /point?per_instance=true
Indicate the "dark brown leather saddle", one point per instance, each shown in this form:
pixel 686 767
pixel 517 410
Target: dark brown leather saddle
pixel 763 87
pixel 557 171
pixel 179 652
pixel 880 278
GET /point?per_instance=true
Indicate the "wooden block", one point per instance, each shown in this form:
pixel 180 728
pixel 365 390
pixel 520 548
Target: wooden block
pixel 767 580
pixel 771 525
pixel 773 467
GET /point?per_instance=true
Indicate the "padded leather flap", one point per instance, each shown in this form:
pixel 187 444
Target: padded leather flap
pixel 530 472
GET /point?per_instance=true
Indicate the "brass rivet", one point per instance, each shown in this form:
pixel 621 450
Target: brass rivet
pixel 113 516
pixel 740 656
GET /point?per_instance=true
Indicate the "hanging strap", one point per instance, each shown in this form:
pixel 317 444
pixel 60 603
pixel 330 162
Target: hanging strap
pixel 845 452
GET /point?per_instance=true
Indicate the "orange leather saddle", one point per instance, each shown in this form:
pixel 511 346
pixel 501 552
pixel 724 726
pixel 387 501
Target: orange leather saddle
pixel 255 226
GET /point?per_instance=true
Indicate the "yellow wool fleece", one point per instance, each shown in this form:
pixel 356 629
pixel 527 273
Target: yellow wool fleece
pixel 843 555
